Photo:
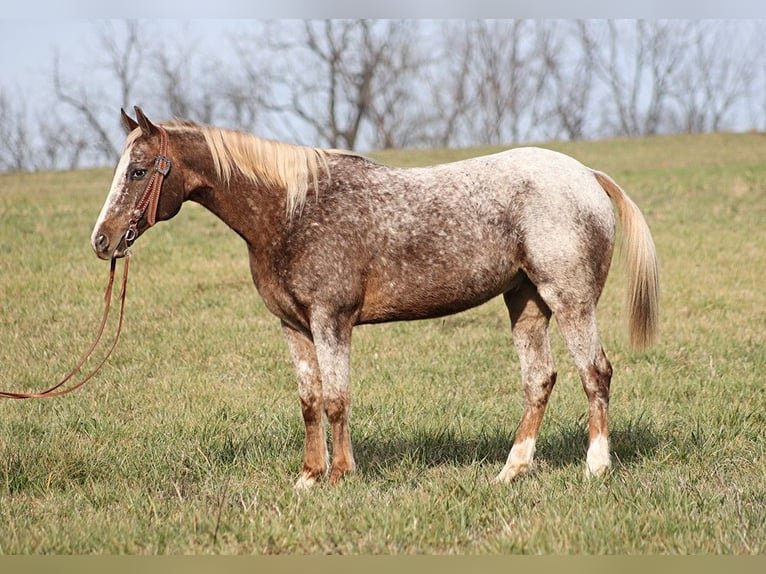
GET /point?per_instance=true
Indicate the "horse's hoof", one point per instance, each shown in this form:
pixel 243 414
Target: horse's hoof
pixel 337 476
pixel 305 482
pixel 598 461
pixel 597 471
pixel 509 473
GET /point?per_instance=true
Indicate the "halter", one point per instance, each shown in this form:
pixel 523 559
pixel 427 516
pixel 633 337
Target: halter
pixel 151 197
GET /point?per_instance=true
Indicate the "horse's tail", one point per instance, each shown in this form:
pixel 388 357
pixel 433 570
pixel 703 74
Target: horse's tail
pixel 644 286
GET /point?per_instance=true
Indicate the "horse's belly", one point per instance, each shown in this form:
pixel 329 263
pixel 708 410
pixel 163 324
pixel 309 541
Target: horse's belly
pixel 428 293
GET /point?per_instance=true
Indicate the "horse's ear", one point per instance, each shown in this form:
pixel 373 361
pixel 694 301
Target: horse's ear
pixel 147 127
pixel 127 122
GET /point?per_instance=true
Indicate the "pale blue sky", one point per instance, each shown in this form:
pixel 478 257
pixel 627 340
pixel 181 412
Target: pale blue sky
pixel 30 30
pixel 57 9
pixel 27 48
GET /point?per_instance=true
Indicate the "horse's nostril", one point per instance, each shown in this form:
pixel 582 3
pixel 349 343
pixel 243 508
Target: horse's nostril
pixel 101 243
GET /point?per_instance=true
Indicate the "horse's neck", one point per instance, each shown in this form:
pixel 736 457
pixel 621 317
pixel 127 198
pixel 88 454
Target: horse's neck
pixel 251 211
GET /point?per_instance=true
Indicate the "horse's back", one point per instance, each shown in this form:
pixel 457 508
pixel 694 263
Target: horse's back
pixel 549 202
pixel 560 219
pixel 550 177
pixel 451 236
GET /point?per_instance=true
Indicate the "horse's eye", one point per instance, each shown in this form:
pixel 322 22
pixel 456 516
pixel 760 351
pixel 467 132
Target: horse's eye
pixel 137 173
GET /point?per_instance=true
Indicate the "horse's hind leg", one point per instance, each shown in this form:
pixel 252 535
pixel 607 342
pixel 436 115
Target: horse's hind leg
pixel 530 318
pixel 577 321
pixel 304 358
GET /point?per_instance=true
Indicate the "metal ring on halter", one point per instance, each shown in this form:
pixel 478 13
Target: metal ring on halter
pixel 130 236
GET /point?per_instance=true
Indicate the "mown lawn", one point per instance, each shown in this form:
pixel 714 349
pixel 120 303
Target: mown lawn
pixel 191 437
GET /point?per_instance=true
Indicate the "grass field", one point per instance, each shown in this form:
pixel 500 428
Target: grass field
pixel 190 438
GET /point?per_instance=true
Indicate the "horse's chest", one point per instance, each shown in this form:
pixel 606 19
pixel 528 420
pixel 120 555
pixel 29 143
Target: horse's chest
pixel 273 285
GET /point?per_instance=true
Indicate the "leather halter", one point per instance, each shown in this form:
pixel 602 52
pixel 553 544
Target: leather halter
pixel 151 197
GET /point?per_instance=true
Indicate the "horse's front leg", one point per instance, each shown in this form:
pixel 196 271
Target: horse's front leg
pixel 304 358
pixel 332 339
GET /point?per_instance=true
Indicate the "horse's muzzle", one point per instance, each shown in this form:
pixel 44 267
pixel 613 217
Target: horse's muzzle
pixel 106 250
pixel 101 243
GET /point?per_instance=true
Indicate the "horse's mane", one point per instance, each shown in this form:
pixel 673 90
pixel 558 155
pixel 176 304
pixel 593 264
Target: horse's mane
pixel 279 165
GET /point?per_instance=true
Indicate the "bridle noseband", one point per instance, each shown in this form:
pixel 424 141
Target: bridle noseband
pixel 151 196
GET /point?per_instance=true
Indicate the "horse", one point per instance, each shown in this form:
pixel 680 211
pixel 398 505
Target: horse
pixel 337 240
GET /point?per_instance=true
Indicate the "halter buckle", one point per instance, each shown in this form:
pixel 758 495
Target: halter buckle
pixel 162 165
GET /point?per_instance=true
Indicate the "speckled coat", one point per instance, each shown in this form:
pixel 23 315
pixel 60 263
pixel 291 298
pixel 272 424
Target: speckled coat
pixel 368 243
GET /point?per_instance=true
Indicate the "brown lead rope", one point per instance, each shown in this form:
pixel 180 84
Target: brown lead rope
pixel 149 200
pixel 54 390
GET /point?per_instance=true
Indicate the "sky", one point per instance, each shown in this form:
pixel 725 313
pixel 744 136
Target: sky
pixel 28 45
pixel 388 9
pixel 31 30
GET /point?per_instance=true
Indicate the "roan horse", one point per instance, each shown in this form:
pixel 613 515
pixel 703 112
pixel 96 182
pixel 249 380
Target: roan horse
pixel 336 240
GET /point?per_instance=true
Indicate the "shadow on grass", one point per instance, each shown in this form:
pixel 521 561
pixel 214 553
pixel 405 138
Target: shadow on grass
pixel 564 446
pixel 380 455
pixel 629 442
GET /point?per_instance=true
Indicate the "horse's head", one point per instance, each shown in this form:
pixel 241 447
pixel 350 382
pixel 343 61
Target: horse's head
pixel 144 188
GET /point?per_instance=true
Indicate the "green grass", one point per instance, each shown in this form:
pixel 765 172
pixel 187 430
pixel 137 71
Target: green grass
pixel 190 438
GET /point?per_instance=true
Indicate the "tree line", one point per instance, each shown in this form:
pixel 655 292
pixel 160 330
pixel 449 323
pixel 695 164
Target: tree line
pixel 371 84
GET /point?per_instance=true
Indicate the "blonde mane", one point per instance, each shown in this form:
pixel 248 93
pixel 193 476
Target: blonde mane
pixel 292 168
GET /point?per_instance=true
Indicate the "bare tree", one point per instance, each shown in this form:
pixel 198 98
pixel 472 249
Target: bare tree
pixel 718 74
pixel 125 56
pixel 639 63
pixel 449 86
pixel 399 116
pixel 60 146
pixel 180 83
pixel 15 138
pixel 342 76
pixel 353 83
pixel 567 51
pixel 495 84
pixel 347 59
pixel 503 79
pixel 246 89
pixel 124 49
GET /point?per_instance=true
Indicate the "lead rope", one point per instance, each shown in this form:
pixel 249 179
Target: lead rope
pixel 54 390
pixel 149 200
